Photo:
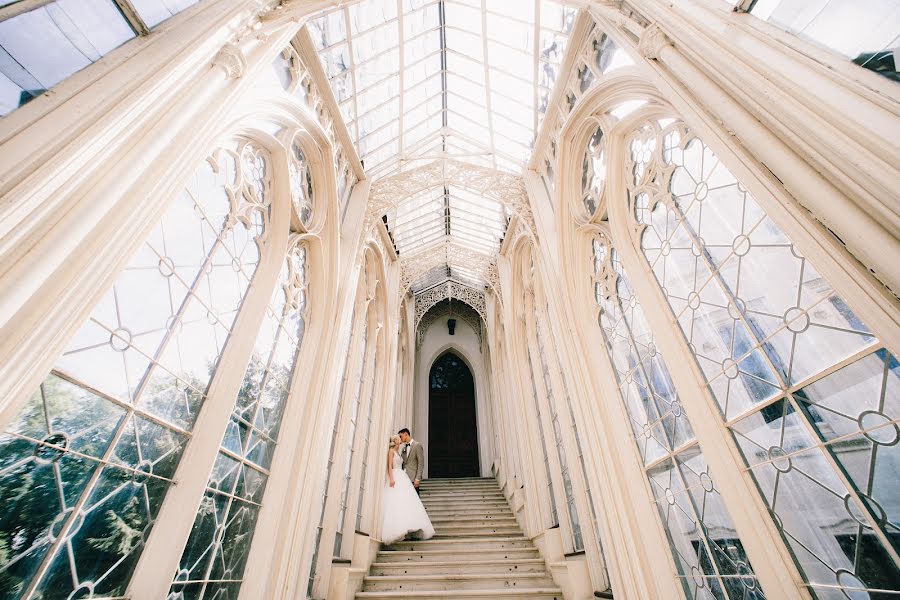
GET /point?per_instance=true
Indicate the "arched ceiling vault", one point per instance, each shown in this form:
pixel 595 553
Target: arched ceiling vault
pixel 444 99
pixel 423 79
pixel 448 219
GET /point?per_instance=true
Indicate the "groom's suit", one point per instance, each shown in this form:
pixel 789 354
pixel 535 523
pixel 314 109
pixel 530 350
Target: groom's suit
pixel 413 456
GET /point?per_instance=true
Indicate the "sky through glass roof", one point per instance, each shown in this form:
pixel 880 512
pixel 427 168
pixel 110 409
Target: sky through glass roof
pixel 424 81
pixel 418 80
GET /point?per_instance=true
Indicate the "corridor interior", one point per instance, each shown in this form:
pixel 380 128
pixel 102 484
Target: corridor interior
pixel 627 270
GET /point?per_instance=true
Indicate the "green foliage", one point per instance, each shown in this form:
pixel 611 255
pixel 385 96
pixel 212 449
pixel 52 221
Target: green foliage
pixel 124 531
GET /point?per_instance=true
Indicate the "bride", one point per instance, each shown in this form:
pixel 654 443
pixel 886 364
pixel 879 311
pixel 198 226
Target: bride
pixel 403 512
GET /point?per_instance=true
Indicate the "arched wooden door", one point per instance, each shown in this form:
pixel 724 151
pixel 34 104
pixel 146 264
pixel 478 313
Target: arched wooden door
pixel 452 423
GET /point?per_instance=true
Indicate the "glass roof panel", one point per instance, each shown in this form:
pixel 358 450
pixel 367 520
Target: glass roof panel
pixel 41 47
pixel 477 70
pixel 154 12
pixel 444 214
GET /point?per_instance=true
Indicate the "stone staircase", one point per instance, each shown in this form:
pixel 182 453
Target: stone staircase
pixel 478 551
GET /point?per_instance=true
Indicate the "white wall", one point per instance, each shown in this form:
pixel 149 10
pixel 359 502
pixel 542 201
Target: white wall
pixel 466 344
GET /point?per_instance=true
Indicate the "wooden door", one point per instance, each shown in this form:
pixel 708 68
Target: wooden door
pixel 452 422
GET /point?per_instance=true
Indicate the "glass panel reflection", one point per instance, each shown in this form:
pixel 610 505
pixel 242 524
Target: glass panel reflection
pixel 708 552
pixel 87 462
pixel 217 549
pixel 809 393
pixel 72 34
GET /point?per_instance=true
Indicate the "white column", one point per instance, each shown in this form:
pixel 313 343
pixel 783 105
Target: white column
pixel 76 208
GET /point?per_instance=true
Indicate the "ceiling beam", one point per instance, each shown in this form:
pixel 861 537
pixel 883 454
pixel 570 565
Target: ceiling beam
pixel 132 16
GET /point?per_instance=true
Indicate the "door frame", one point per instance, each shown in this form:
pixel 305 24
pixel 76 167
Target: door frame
pixel 425 357
pixel 474 400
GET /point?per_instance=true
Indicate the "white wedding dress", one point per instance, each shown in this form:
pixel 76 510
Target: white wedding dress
pixel 403 512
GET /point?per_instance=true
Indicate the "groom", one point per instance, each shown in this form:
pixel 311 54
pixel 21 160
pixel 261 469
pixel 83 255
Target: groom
pixel 413 457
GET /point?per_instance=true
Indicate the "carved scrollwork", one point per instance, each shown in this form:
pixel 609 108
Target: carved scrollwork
pixel 249 191
pixel 654 152
pixel 231 60
pixel 452 290
pixel 461 311
pixel 296 281
pixel 652 41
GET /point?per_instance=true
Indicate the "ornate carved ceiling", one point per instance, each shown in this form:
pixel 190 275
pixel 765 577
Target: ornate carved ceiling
pixel 450 290
pixel 457 310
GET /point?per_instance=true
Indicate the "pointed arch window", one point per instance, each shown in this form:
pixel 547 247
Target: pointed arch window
pixel 707 550
pixel 808 391
pixel 212 564
pixel 528 300
pixel 320 529
pixel 88 461
pixel 352 423
pixel 565 475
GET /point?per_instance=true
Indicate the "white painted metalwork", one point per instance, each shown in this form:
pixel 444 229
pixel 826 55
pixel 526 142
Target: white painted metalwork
pixel 442 77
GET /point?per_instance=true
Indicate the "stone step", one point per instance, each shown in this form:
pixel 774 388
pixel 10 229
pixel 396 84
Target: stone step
pixel 454 493
pixel 463 510
pixel 472 499
pixel 553 593
pixel 460 492
pixel 472 511
pixel 448 531
pixel 458 489
pixel 498 543
pixel 458 486
pixel 455 555
pixel 459 479
pixel 464 502
pixel 429 583
pixel 473 565
pixel 473 521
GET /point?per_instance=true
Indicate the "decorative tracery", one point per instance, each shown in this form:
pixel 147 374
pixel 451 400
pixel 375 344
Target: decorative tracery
pixel 706 548
pixel 450 290
pixel 301 184
pixel 459 310
pixel 92 455
pixel 295 79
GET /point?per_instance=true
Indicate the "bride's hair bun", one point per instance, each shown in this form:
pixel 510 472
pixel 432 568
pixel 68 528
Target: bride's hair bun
pixel 394 441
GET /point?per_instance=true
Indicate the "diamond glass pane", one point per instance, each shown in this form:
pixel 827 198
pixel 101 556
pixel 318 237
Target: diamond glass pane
pixel 87 463
pixel 217 549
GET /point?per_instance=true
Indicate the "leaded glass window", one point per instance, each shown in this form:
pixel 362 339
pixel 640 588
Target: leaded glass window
pixel 317 542
pixel 530 367
pixel 808 391
pixel 212 564
pixel 353 420
pixel 574 521
pixel 581 461
pixel 554 513
pixel 361 504
pixel 708 553
pixel 600 57
pixel 88 461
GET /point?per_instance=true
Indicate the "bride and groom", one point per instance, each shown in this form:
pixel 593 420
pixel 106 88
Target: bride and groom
pixel 403 513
